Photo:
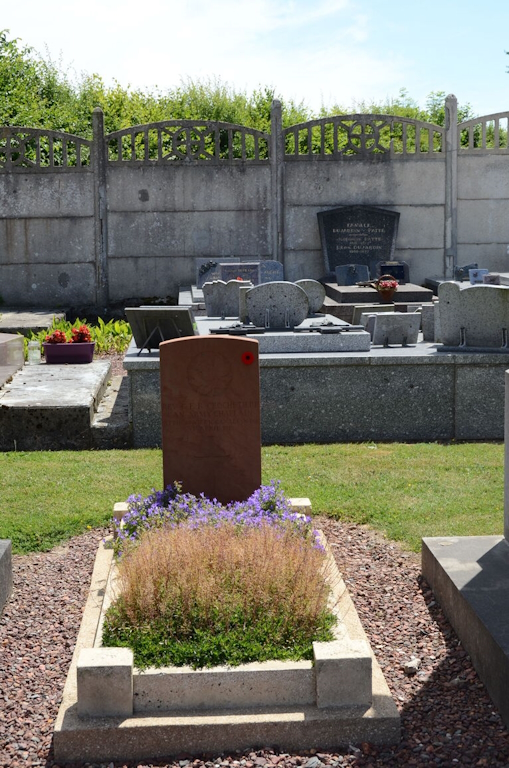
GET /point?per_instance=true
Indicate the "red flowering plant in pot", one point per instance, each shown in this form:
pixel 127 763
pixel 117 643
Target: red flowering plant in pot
pixel 78 349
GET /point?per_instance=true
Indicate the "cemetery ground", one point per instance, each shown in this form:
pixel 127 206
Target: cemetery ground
pixel 374 502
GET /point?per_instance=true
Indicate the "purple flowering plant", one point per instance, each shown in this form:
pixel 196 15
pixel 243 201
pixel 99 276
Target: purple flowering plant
pixel 172 507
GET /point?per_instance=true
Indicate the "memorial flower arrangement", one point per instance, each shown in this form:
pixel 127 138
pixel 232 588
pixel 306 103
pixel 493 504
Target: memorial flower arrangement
pixel 386 284
pixel 80 335
pixel 205 584
pixel 171 507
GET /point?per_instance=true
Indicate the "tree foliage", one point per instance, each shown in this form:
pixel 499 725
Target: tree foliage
pixel 37 92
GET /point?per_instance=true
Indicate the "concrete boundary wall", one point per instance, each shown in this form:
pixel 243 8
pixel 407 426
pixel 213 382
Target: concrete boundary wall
pixel 123 216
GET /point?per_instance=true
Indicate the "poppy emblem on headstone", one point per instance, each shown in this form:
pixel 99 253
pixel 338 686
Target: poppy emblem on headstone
pixel 247 358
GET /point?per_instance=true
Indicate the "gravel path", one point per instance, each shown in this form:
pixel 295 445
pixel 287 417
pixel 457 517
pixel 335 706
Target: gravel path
pixel 447 717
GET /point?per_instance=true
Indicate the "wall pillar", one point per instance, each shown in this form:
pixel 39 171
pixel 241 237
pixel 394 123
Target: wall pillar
pixel 277 156
pixel 451 186
pixel 100 210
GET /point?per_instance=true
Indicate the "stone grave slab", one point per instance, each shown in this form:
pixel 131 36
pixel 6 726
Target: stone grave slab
pixel 358 294
pixel 357 234
pixel 271 271
pixel 210 415
pixel 397 328
pixel 315 293
pixel 222 299
pixel 277 305
pixel 351 274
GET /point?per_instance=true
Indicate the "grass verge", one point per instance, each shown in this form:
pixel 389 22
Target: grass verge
pixel 405 491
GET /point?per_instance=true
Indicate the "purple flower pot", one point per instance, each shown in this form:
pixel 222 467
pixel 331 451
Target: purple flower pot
pixel 69 353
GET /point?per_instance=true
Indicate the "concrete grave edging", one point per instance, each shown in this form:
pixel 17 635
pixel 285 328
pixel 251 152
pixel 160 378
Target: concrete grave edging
pixel 306 714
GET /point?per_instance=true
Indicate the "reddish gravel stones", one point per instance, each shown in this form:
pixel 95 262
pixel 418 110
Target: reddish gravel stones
pixel 447 718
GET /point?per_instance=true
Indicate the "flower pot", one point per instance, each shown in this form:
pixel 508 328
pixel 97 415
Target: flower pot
pixel 69 353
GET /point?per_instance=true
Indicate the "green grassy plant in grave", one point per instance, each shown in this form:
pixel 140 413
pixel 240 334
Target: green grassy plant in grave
pixel 113 336
pixel 220 594
pixel 405 490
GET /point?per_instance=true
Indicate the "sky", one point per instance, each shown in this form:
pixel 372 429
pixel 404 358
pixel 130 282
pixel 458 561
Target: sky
pixel 320 52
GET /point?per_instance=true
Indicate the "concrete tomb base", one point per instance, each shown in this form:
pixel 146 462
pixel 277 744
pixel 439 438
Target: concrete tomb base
pixel 342 700
pixel 469 576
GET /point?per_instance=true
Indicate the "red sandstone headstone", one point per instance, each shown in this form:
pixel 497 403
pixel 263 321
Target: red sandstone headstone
pixel 210 412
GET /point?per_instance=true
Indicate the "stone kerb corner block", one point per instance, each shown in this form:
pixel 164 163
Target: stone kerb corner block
pixel 315 292
pixel 5 571
pixel 343 674
pixel 277 305
pixel 474 315
pixel 105 682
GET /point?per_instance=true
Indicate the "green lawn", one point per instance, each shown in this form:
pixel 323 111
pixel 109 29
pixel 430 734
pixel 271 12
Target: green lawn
pixel 406 491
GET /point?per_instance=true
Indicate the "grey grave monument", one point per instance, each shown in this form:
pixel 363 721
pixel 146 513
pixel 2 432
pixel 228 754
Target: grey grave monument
pixel 357 234
pixel 222 299
pixel 474 316
pixel 315 293
pixel 277 305
pixel 469 576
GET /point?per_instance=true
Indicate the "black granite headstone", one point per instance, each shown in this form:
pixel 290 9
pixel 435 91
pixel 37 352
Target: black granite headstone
pixel 350 274
pixel 357 234
pixel 399 270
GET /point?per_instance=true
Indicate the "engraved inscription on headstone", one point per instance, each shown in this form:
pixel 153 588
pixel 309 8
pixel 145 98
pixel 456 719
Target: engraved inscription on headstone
pixel 271 271
pixel 357 234
pixel 247 271
pixel 210 411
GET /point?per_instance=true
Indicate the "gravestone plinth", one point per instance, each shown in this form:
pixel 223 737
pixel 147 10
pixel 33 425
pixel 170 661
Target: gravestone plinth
pixel 469 576
pixel 210 415
pixel 357 234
